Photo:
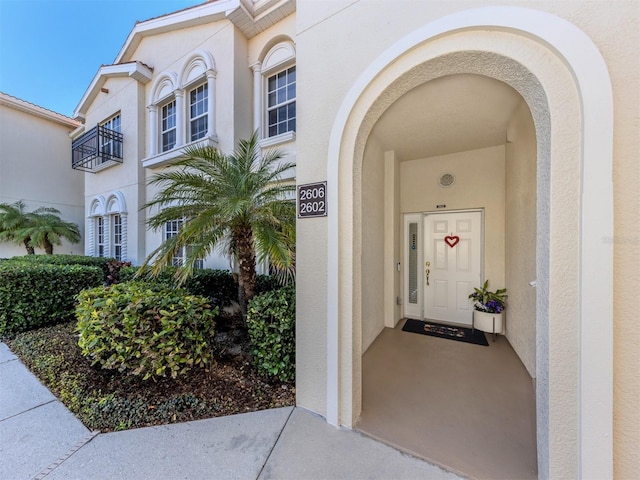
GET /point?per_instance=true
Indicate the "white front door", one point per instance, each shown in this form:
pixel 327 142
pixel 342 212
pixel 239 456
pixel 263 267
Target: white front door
pixel 453 265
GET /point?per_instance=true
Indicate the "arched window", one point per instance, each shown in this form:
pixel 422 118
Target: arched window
pixel 182 109
pixel 163 113
pixel 116 226
pixel 198 82
pixel 275 93
pixel 95 228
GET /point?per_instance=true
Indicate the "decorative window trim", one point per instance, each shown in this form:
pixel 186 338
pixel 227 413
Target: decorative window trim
pixel 105 211
pixel 285 137
pixel 278 58
pixel 165 158
pixel 198 69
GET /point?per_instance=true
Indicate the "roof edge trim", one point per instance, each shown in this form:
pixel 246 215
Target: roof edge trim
pixel 136 70
pixel 36 110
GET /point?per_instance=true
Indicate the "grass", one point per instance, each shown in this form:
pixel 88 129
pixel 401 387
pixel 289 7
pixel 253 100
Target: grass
pixel 107 400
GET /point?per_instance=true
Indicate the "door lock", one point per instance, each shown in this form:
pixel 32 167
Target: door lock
pixel 427 271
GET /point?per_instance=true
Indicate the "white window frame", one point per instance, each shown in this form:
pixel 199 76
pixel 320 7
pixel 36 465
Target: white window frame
pixel 171 229
pixel 201 106
pixel 100 244
pixel 109 146
pixel 168 130
pixel 116 243
pixel 278 105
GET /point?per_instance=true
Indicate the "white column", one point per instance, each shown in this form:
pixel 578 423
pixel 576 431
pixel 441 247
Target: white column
pixel 153 130
pixel 124 241
pixel 106 230
pixel 181 126
pixel 257 98
pixel 211 104
pixel 91 236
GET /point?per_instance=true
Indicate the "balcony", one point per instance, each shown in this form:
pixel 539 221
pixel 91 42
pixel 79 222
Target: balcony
pixel 96 149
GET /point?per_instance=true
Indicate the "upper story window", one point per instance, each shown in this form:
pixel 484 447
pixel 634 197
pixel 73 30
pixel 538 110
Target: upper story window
pixel 98 147
pixel 281 102
pixel 274 94
pixel 198 110
pixel 168 126
pixel 111 144
pixel 182 109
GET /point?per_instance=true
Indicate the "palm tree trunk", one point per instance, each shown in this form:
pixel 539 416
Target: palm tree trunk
pixel 246 266
pixel 30 249
pixel 48 246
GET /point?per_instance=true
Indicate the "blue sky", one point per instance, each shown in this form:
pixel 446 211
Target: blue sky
pixel 50 50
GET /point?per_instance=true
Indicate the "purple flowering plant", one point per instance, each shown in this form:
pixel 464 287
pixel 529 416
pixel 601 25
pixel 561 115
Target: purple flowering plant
pixel 484 300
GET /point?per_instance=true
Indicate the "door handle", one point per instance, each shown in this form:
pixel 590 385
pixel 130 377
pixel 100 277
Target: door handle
pixel 427 271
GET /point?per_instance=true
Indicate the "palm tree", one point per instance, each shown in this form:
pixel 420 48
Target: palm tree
pixel 233 203
pixel 46 229
pixel 13 217
pixel 15 222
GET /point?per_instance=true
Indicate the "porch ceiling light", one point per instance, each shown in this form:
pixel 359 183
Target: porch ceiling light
pixel 447 179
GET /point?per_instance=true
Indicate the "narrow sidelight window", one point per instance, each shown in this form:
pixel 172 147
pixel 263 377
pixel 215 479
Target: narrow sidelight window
pixel 168 126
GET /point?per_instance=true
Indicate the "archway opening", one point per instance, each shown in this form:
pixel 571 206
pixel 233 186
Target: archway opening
pixel 568 82
pixel 478 134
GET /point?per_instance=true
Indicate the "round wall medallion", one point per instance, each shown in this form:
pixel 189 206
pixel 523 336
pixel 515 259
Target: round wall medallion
pixel 447 179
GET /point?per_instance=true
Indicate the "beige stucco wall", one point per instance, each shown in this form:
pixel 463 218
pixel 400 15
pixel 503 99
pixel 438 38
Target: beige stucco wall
pixel 168 53
pixel 127 97
pixel 520 235
pixel 373 234
pixel 480 183
pixel 613 27
pixel 35 166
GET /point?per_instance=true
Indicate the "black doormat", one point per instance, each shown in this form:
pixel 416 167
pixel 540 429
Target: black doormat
pixel 461 334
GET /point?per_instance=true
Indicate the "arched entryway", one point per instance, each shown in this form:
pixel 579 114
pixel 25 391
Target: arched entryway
pixel 458 151
pixel 564 82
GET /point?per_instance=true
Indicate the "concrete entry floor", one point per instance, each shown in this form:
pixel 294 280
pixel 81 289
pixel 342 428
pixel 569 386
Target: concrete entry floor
pixel 468 408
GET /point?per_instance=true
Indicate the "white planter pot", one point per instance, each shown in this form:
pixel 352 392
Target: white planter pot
pixel 489 322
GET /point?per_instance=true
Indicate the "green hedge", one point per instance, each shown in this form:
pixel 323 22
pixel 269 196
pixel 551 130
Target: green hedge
pixel 37 294
pixel 219 286
pixel 62 259
pixel 143 329
pixel 271 319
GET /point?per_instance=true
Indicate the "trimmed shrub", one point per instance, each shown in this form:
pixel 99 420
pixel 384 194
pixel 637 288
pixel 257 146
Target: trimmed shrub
pixel 34 295
pixel 267 283
pixel 147 330
pixel 271 319
pixel 219 286
pixel 63 259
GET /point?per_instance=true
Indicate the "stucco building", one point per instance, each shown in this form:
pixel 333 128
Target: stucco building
pixel 37 172
pixel 512 127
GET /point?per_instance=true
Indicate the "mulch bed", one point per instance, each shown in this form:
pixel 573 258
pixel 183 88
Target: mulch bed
pixel 108 400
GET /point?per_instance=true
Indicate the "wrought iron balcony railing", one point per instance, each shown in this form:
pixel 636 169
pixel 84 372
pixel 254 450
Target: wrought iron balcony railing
pixel 96 148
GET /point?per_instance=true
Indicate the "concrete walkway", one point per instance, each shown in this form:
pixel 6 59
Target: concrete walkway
pixel 40 438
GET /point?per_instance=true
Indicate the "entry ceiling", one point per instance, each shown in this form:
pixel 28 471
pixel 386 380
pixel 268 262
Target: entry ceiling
pixel 447 115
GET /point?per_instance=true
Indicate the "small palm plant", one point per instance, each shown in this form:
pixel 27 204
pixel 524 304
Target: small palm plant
pixel 41 228
pixel 236 204
pixel 47 229
pixel 487 301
